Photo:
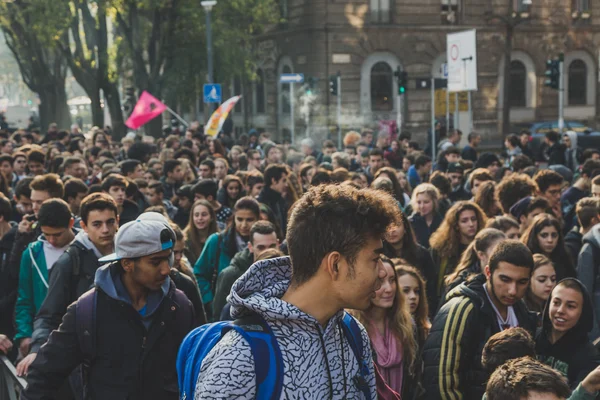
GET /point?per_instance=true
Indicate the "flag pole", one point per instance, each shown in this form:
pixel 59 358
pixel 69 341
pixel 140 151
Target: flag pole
pixel 178 117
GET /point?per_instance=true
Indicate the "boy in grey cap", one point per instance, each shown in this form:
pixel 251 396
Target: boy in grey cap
pixel 140 319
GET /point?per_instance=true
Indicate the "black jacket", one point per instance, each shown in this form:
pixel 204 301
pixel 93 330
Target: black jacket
pixel 276 203
pixel 574 243
pixel 131 361
pixel 588 273
pixel 452 352
pixel 573 355
pixel 8 285
pixel 67 281
pixel 555 154
pixel 422 231
pixel 129 213
pixel 190 289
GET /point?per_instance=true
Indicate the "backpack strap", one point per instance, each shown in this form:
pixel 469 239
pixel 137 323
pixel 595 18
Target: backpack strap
pixel 85 327
pixel 354 336
pixel 268 361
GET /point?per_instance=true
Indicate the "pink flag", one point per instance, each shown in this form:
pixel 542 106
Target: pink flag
pixel 147 108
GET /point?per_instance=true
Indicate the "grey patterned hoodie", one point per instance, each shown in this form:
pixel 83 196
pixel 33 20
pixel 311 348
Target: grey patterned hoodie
pixel 318 363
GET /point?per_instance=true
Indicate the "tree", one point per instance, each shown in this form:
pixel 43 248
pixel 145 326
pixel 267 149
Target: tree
pixel 87 55
pixel 41 63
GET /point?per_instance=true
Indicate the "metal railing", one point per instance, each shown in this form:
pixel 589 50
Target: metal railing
pixel 10 383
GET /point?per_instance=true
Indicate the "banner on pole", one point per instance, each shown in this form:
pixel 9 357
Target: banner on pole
pixel 217 119
pixel 440 102
pixel 147 108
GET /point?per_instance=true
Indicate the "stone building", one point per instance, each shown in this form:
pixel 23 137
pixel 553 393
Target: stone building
pixel 367 40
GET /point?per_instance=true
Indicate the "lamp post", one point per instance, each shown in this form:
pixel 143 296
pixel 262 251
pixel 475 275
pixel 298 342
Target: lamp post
pixel 208 5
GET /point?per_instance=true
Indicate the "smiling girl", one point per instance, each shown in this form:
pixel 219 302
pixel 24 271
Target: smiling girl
pixel 202 224
pixel 562 342
pixel 390 328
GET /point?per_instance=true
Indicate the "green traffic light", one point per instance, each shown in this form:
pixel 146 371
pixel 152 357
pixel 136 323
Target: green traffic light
pixel 402 89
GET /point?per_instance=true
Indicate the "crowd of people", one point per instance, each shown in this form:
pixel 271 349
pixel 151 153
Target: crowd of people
pixel 379 271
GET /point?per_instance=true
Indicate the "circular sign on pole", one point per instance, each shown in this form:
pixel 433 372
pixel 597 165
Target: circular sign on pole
pixel 454 52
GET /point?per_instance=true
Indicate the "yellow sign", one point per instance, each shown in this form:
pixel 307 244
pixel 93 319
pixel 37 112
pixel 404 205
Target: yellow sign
pixel 440 102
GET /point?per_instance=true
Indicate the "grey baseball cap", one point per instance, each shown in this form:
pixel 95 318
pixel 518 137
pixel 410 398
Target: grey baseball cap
pixel 148 234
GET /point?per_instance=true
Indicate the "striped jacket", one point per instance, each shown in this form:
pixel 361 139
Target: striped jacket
pixel 452 352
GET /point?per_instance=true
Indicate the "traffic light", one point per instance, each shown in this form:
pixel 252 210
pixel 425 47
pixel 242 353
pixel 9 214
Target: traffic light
pixel 311 82
pixel 333 85
pixel 552 74
pixel 402 77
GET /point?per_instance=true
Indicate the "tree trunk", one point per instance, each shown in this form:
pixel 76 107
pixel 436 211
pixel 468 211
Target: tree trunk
pixel 53 106
pixel 113 102
pixel 508 47
pixel 96 107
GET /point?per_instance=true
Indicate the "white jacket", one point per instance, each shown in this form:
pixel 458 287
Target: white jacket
pixel 227 372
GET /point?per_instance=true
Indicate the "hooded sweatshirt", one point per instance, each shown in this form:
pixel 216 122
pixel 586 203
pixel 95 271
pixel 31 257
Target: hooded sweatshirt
pixel 571 154
pixel 573 355
pixel 587 271
pixel 318 362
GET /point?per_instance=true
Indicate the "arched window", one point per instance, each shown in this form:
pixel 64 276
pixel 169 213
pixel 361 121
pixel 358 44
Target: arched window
pixel 259 87
pixel 577 83
pixel 380 11
pixel 517 96
pixel 285 92
pixel 382 90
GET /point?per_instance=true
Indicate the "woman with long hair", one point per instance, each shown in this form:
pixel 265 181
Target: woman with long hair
pixel 231 191
pixel 389 325
pixel 215 147
pixel 475 257
pixel 221 247
pixel 400 242
pixel 202 224
pixel 425 219
pixel 189 172
pixel 486 199
pixel 460 226
pixel 544 236
pixel 543 280
pixel 562 342
pixel 412 284
pixel 398 193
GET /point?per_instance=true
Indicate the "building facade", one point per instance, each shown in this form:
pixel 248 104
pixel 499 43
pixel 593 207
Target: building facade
pixel 366 41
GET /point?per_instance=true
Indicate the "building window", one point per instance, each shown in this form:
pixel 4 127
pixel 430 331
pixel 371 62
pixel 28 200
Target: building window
pixel 285 92
pixel 518 81
pixel 283 8
pixel 382 90
pixel 577 83
pixel 580 6
pixel 522 6
pixel 259 87
pixel 380 11
pixel 449 11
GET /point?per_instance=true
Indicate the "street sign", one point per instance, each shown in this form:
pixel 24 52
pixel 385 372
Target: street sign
pixel 461 50
pixel 444 70
pixel 291 78
pixel 212 93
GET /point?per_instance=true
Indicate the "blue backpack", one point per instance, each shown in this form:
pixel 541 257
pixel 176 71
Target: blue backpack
pixel 268 362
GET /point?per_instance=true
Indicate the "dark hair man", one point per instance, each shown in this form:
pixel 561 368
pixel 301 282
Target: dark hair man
pixel 455 173
pixel 75 167
pixel 307 293
pixel 207 189
pixel 555 153
pixel 418 172
pixel 73 273
pixel 469 152
pixel 526 209
pixel 263 236
pixel 172 178
pixel 22 199
pixel 579 190
pixel 54 218
pixel 6 168
pixel 487 304
pixel 185 200
pixel 272 194
pixel 255 182
pixel 132 169
pixel 587 212
pixel 207 169
pixel 375 163
pixel 550 186
pixel 115 185
pixel 596 186
pixel 138 321
pixel 254 160
pixel 35 162
pixel 75 191
pixel 156 197
pixel 526 378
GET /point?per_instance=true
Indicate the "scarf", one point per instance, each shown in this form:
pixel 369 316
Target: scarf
pixel 389 356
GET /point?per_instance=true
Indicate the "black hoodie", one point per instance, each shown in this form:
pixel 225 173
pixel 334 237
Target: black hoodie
pixel 573 355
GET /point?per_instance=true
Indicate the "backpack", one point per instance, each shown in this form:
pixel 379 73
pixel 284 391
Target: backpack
pixel 268 361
